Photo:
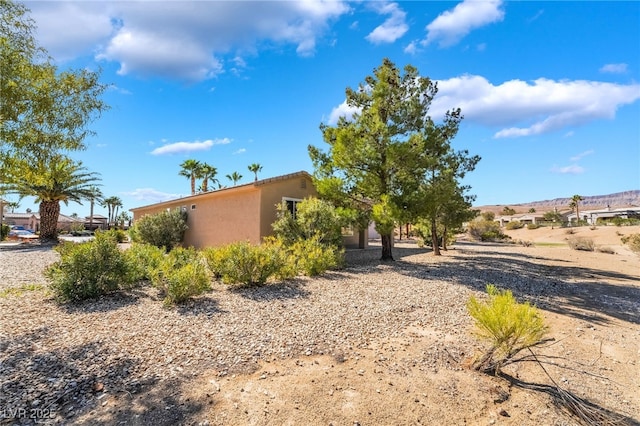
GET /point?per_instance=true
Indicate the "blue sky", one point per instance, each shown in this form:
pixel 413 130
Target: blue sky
pixel 550 91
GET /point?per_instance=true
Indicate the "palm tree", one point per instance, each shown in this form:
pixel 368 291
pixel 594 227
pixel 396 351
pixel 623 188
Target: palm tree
pixel 95 196
pixel 191 170
pixel 112 204
pixel 234 177
pixel 207 174
pixel 255 168
pixel 57 179
pixel 12 205
pixel 575 203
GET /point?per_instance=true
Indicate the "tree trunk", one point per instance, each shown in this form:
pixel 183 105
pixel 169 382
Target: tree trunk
pixel 387 244
pixel 49 212
pixel 400 232
pixel 407 233
pixel 444 239
pixel 91 217
pixel 434 238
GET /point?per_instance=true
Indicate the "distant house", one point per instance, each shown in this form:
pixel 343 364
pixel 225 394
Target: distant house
pixel 241 213
pixel 28 221
pixel 593 217
pixel 99 222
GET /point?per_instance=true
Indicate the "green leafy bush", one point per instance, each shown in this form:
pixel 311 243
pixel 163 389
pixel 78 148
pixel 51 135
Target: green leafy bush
pixel 117 234
pixel 633 241
pixel 581 243
pixel 313 258
pixel 165 229
pixel 514 224
pixel 245 264
pixel 314 217
pixel 181 275
pixel 4 231
pixel 485 230
pixel 533 226
pixel 89 270
pixel 143 260
pixel 506 325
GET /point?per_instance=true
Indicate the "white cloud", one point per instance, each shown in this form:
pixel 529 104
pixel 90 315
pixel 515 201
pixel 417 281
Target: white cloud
pixel 185 40
pixel 451 26
pixel 580 156
pixel 150 195
pixel 531 108
pixel 393 27
pixel 614 68
pixel 187 147
pixel 240 151
pixel 573 169
pixel 412 48
pixel 342 110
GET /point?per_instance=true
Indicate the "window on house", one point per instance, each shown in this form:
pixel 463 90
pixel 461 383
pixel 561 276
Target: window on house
pixel 292 205
pixel 193 206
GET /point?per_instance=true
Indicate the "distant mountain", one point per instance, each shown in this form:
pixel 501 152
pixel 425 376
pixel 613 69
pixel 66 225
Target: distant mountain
pixel 619 199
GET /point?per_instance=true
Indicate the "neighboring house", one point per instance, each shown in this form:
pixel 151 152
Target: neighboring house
pixel 604 215
pixel 28 221
pixel 66 223
pixel 240 213
pixel 525 218
pixel 99 222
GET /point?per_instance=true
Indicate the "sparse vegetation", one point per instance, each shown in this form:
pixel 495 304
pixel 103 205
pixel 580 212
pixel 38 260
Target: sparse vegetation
pixel 570 231
pixel 606 249
pixel 165 229
pixel 485 230
pixel 181 275
pixel 533 226
pixel 581 243
pixel 507 325
pixel 89 270
pixel 514 224
pixel 633 241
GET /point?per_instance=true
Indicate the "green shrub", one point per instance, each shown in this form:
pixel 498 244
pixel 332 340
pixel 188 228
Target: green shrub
pixel 144 260
pixel 633 241
pixel 533 226
pixel 485 230
pixel 182 274
pixel 581 243
pixel 514 224
pixel 313 258
pixel 4 231
pixel 165 229
pixel 507 326
pixel 314 217
pixel 88 270
pixel 245 264
pixel 117 234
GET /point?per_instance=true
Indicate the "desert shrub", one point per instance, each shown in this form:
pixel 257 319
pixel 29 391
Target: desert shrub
pixel 581 243
pixel 88 270
pixel 633 241
pixel 314 217
pixel 165 229
pixel 570 231
pixel 485 230
pixel 4 231
pixel 313 258
pixel 117 234
pixel 245 264
pixel 181 275
pixel 514 224
pixel 606 249
pixel 488 216
pixel 143 260
pixel 506 325
pixel 524 243
pixel 77 229
pixel 533 226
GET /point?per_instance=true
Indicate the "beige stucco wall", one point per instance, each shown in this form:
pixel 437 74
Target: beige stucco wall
pixel 272 194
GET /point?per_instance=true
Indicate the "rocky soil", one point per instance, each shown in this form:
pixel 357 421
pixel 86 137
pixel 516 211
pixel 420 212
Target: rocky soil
pixel 375 343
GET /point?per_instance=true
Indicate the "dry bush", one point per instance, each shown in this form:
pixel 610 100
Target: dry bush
pixel 606 249
pixel 582 243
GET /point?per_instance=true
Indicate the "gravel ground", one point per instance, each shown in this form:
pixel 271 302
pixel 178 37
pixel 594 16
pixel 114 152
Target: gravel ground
pixel 58 362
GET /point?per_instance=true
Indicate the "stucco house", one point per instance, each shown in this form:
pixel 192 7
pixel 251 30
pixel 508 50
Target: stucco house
pixel 242 212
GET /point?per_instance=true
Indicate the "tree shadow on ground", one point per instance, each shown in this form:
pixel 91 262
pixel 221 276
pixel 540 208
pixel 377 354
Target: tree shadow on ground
pixel 203 305
pixel 44 385
pixel 108 302
pixel 289 289
pixel 564 289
